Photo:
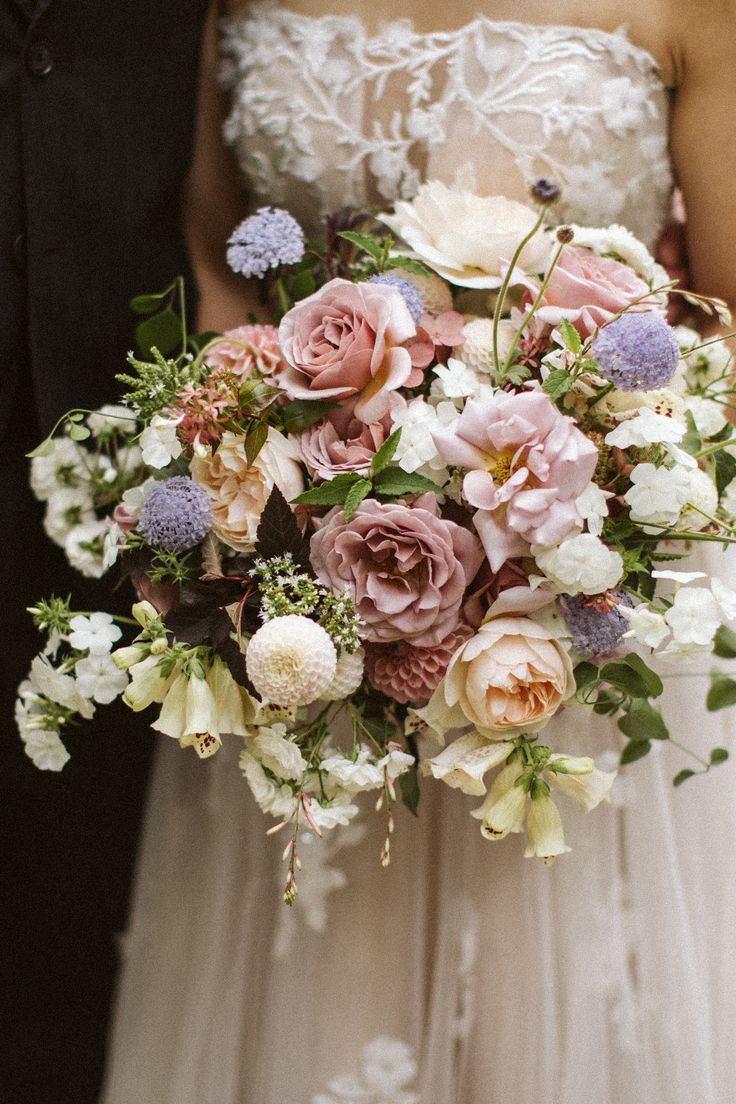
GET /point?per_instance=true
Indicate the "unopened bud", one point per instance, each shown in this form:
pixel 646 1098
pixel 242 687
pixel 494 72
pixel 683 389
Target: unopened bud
pixel 545 190
pixel 565 235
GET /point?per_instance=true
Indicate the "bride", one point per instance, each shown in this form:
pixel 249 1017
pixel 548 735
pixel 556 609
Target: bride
pixel 462 974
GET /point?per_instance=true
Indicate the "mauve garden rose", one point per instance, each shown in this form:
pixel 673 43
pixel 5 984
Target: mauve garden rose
pixel 587 290
pixel 246 350
pixel 512 676
pixel 340 442
pixel 405 567
pixel 346 342
pixel 526 464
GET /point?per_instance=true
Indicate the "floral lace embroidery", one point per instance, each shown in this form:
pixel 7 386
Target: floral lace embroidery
pixel 387 1070
pixel 325 114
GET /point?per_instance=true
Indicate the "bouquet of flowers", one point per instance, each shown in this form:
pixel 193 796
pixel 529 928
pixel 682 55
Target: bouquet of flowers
pixel 442 500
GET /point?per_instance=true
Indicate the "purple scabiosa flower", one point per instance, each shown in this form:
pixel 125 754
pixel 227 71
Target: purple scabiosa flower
pixel 545 190
pixel 267 239
pixel 411 295
pixel 176 514
pixel 596 625
pixel 637 352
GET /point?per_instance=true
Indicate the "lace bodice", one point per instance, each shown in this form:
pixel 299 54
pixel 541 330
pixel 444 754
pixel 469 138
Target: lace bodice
pixel 326 115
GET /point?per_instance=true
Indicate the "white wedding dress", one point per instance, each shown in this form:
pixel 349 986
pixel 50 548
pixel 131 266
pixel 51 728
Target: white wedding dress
pixel 464 973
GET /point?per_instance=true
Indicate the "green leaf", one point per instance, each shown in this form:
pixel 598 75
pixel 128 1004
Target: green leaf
pixel 332 493
pixel 606 704
pixel 635 750
pixel 44 449
pixel 394 482
pixel 148 304
pixel 557 384
pixel 652 681
pixel 363 241
pixel 278 532
pixel 385 454
pixel 301 414
pixel 517 373
pixel 718 755
pixel 585 675
pixel 409 264
pixel 78 432
pixel 643 721
pixel 355 496
pixel 570 336
pixel 725 470
pixel 162 331
pixel 721 694
pixel 682 776
pixel 302 285
pixel 725 643
pixel 409 784
pixel 625 678
pixel 692 441
pixel 255 441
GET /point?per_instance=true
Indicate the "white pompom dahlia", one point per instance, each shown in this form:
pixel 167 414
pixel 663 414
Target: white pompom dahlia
pixel 291 660
pixel 348 676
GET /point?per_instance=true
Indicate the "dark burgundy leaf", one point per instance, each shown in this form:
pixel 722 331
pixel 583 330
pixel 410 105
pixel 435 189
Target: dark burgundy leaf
pixel 278 532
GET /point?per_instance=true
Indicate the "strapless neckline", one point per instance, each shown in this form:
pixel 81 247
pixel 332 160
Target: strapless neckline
pixel 617 40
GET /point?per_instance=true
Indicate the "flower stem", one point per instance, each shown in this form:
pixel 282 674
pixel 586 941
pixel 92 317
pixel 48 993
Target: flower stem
pixel 502 291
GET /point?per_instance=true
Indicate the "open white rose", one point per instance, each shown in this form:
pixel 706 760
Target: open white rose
pixel 467 238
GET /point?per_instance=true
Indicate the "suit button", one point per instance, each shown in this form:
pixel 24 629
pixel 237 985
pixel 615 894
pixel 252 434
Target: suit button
pixel 39 58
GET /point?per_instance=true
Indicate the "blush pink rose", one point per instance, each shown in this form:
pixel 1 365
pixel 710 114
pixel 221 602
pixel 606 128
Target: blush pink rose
pixel 340 442
pixel 436 335
pixel 526 464
pixel 406 568
pixel 346 342
pixel 409 674
pixel 587 290
pixel 246 350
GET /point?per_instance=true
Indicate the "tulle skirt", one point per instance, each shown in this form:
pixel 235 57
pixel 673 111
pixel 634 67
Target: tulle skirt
pixel 463 973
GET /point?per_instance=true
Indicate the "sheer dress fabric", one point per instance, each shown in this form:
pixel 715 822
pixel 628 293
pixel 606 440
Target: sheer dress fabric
pixel 462 974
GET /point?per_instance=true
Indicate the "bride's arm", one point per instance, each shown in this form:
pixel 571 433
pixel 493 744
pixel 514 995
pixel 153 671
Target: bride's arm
pixel 704 140
pixel 214 202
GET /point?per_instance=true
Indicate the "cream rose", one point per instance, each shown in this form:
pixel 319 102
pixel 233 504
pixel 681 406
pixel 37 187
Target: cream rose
pixel 508 678
pixel 239 491
pixel 467 238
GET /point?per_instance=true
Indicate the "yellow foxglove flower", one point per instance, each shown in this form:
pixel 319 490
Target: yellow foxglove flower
pixel 587 789
pixel 147 684
pixel 464 762
pixel 236 710
pixel 504 808
pixel 545 836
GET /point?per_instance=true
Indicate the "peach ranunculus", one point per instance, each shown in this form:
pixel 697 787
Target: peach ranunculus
pixel 588 289
pixel 347 342
pixel 468 239
pixel 508 679
pixel 239 491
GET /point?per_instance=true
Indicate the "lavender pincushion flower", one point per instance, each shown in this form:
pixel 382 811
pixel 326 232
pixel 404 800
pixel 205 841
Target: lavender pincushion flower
pixel 176 515
pixel 596 631
pixel 267 239
pixel 637 352
pixel 411 295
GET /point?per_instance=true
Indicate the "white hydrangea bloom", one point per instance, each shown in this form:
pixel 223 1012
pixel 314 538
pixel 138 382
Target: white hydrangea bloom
pixel 95 633
pixel 159 443
pixel 340 811
pixel 709 416
pixel 100 679
pixel 694 616
pixel 63 467
pixel 644 429
pixel 592 505
pixel 646 626
pixel 279 801
pixel 657 495
pixel 278 753
pixel 702 500
pixel 354 775
pixel 418 421
pixel 580 565
pixel 725 597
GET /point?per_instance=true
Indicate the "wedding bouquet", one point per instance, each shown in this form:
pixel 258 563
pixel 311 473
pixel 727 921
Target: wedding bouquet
pixel 443 499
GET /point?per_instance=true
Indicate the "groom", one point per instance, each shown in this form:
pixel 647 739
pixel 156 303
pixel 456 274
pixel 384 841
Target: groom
pixel 98 102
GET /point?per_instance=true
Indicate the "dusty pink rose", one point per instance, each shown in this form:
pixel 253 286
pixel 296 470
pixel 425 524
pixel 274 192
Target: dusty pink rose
pixel 409 674
pixel 587 289
pixel 249 349
pixel 346 342
pixel 436 335
pixel 340 442
pixel 512 675
pixel 405 567
pixel 526 464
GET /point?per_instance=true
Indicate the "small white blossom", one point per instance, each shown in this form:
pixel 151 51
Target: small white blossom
pixel 63 467
pixel 354 775
pixel 419 421
pixel 683 652
pixel 279 801
pixel 580 565
pixel 43 746
pixel 458 381
pixel 113 542
pixel 339 811
pixel 702 500
pixel 694 616
pixel 726 599
pixel 396 762
pixel 58 687
pixel 66 508
pixel 111 419
pixel 84 547
pixel 159 443
pixel 679 576
pixel 644 429
pixel 134 497
pixel 96 633
pixel 99 678
pixel 657 495
pixel 728 498
pixel 592 506
pixel 646 626
pixel 708 416
pixel 279 754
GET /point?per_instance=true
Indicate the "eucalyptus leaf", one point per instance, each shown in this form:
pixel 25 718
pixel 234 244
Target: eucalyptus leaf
pixel 643 721
pixel 148 304
pixel 585 675
pixel 682 776
pixel 44 449
pixel 625 678
pixel 302 285
pixel 635 750
pixel 78 432
pixel 721 694
pixel 409 784
pixel 718 755
pixel 725 643
pixel 651 679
